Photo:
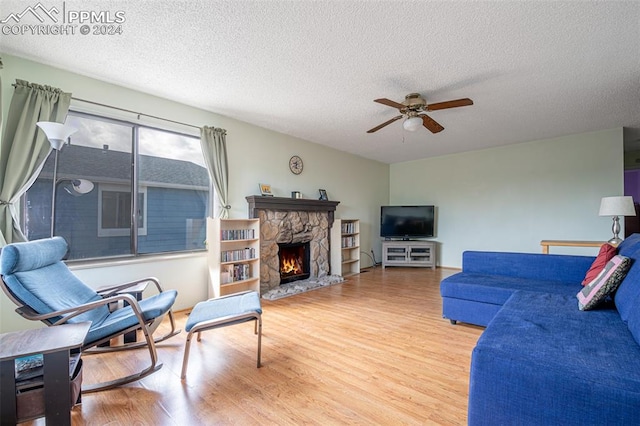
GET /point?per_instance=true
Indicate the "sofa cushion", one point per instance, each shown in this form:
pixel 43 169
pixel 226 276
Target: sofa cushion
pixel 496 289
pixel 605 284
pixel 607 251
pixel 536 266
pixel 541 361
pixel 629 290
pixel 634 321
pixel 629 245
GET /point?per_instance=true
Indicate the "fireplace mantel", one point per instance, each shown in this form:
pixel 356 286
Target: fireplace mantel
pixel 260 202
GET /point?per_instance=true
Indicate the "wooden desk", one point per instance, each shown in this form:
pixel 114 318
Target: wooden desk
pixel 567 243
pixel 55 343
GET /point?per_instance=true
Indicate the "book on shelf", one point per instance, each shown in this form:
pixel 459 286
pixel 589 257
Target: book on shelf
pixel 235 272
pixel 28 367
pixel 237 234
pixel 29 370
pixel 348 242
pixel 234 255
pixel 348 228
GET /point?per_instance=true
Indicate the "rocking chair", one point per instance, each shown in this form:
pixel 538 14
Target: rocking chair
pixel 34 277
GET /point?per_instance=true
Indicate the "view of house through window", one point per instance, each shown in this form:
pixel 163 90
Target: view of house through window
pixel 114 210
pixel 98 170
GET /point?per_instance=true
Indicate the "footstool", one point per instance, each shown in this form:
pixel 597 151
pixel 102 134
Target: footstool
pixel 221 312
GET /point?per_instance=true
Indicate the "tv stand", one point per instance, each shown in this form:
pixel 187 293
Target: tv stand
pixel 421 254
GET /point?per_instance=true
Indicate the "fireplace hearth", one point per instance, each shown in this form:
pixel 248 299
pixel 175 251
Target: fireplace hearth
pixel 294 262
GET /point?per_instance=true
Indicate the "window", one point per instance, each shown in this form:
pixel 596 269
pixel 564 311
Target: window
pixel 114 211
pixel 99 169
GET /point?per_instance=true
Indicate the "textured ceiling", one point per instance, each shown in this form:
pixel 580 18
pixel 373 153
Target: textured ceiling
pixel 312 69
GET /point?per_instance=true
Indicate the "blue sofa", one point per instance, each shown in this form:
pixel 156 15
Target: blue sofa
pixel 540 360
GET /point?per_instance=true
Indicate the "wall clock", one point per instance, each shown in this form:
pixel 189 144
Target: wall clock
pixel 295 165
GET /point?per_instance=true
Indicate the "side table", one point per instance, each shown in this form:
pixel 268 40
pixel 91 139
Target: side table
pixel 135 291
pixel 55 344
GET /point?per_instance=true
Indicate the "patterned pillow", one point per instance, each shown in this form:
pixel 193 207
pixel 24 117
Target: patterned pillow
pixel 606 253
pixel 605 284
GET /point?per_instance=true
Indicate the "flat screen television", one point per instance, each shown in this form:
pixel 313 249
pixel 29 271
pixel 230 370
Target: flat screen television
pixel 406 222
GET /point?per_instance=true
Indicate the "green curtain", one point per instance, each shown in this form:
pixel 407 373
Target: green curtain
pixel 24 148
pixel 1 66
pixel 214 149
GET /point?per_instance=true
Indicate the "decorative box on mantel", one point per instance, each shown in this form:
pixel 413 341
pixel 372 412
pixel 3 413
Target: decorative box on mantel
pixel 292 220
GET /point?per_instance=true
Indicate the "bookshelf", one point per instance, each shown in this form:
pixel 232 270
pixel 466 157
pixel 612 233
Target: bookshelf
pixel 345 247
pixel 233 247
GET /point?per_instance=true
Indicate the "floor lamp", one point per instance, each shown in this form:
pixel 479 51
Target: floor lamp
pixel 57 134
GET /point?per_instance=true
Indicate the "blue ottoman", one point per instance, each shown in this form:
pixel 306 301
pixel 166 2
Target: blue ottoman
pixel 221 312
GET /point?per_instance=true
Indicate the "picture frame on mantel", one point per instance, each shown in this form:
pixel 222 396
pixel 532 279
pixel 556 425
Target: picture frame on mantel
pixel 323 195
pixel 265 190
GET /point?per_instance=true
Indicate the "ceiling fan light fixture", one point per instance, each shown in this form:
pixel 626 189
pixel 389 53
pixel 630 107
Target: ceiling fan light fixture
pixel 412 124
pixel 414 108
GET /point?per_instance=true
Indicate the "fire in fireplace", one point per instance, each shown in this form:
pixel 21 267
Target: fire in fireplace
pixel 294 262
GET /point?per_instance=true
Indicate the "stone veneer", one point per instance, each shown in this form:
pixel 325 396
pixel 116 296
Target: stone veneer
pixel 287 227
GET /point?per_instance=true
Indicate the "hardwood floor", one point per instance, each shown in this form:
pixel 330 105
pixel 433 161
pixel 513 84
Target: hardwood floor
pixel 372 350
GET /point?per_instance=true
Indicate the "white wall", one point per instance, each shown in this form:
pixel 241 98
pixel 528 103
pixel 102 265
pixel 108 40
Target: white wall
pixel 255 155
pixel 509 198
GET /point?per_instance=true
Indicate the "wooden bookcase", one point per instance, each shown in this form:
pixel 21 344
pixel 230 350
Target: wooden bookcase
pixel 345 247
pixel 233 247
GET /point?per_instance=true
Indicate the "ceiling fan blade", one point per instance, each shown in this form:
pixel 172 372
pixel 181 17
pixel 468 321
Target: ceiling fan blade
pixel 375 129
pixel 389 102
pixel 431 124
pixel 449 104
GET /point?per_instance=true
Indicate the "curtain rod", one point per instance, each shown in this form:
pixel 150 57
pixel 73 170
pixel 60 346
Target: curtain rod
pixel 135 112
pixel 130 111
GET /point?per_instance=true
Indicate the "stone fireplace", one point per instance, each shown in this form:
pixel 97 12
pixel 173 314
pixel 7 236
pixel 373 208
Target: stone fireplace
pixel 292 221
pixel 294 262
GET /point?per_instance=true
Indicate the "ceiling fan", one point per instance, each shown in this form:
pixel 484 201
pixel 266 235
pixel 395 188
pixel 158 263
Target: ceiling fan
pixel 414 108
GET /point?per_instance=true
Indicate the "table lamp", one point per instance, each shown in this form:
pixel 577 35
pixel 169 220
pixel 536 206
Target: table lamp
pixel 617 206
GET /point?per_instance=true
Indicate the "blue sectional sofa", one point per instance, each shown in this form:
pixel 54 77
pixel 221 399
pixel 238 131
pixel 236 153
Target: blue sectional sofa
pixel 541 360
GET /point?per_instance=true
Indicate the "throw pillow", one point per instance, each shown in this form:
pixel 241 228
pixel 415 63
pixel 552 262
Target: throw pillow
pixel 607 251
pixel 605 284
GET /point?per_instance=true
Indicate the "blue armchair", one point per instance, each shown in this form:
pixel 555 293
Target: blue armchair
pixel 35 278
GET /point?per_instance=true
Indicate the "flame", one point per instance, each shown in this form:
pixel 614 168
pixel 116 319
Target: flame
pixel 290 266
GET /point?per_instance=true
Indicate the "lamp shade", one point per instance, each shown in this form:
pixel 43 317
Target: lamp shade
pixel 57 133
pixel 617 206
pixel 412 124
pixel 80 187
